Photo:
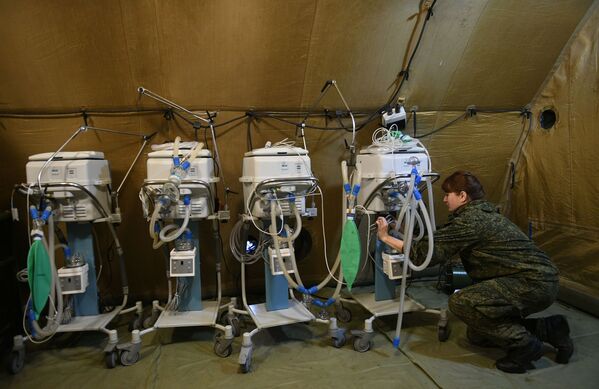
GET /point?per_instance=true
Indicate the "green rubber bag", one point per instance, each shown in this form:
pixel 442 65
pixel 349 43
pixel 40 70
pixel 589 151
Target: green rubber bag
pixel 350 252
pixel 39 276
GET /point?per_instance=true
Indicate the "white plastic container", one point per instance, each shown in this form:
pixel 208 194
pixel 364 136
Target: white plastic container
pixel 159 166
pixel 380 163
pixel 277 164
pixel 275 269
pixel 73 280
pixel 393 265
pixel 182 263
pixel 87 168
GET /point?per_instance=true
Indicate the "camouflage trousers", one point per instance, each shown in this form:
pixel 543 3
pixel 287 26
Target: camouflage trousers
pixel 496 308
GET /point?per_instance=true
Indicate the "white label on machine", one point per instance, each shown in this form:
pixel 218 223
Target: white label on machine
pixel 72 172
pixel 298 167
pixel 288 188
pixel 192 172
pixel 284 166
pixel 55 171
pixel 412 161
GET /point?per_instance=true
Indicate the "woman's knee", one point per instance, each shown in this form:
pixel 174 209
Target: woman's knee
pixel 458 305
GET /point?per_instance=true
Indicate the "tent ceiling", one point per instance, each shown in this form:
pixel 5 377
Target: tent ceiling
pixel 58 56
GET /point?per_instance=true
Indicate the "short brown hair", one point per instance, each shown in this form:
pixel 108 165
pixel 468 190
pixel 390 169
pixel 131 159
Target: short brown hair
pixel 464 181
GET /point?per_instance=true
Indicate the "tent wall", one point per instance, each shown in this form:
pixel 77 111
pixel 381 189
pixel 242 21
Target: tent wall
pixel 67 54
pixel 234 56
pixel 557 179
pixel 494 134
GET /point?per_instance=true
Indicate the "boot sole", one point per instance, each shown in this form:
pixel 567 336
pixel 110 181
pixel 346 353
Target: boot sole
pixel 564 353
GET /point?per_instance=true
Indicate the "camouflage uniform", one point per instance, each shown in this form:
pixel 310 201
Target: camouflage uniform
pixel 513 278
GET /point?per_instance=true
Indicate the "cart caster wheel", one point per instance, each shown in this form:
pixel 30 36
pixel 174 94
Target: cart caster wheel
pixel 129 358
pixel 111 359
pixel 339 342
pixel 233 322
pixel 343 315
pixel 361 345
pixel 245 367
pixel 443 333
pixel 16 362
pixel 149 321
pixel 220 349
pixel 136 323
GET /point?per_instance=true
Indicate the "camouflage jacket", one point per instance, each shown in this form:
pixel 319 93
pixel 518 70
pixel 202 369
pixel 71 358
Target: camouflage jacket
pixel 489 245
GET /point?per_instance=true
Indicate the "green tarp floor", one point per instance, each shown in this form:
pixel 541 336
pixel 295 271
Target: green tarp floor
pixel 302 355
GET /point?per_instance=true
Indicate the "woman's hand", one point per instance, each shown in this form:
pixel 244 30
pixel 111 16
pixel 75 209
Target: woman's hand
pixel 382 228
pixel 383 234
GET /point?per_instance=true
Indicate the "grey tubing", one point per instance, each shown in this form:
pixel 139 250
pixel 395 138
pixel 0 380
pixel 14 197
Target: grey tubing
pixel 292 254
pixel 276 242
pixel 219 257
pixel 337 260
pixel 429 229
pixel 119 250
pixel 407 203
pixel 409 230
pixel 117 243
pixel 177 233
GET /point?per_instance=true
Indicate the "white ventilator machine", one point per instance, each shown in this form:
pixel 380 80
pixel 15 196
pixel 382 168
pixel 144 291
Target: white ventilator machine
pixel 179 192
pixel 394 169
pixel 277 181
pixel 74 188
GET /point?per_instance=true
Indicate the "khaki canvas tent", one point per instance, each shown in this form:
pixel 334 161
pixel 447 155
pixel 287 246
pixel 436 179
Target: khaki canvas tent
pixel 478 74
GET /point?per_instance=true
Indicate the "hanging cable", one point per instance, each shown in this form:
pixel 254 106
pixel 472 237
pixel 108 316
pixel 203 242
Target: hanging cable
pixel 404 74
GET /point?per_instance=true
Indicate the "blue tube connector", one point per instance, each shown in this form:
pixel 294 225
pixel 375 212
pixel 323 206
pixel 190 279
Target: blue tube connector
pixel 176 161
pixel 185 165
pixel 417 194
pixel 356 189
pixel 46 214
pixel 186 199
pixel 291 198
pixel 31 317
pixel 417 180
pixel 347 188
pixel 34 213
pixel 302 289
pixel 330 301
pixel 67 252
pixel 396 342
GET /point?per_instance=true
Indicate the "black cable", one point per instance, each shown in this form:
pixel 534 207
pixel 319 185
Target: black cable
pixel 529 116
pixel 406 72
pixel 230 121
pixel 189 121
pixel 358 127
pixel 249 133
pixel 462 116
pixel 325 114
pixel 471 112
pixel 81 113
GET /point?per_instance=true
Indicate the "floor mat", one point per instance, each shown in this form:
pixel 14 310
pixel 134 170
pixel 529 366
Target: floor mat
pixel 302 355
